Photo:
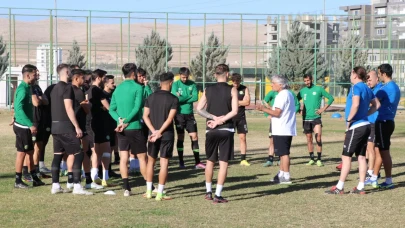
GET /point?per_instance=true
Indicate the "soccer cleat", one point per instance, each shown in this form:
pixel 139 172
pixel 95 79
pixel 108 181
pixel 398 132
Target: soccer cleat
pixel 21 185
pixel 208 196
pixel 37 183
pixel 57 190
pixel 244 163
pixel 319 163
pixel 374 184
pixel 162 197
pixel 268 164
pixel 27 178
pixel 63 173
pixel 357 191
pixel 148 194
pixel 275 180
pixel 181 165
pixel 219 199
pixel 127 193
pixel 93 186
pixel 81 191
pixel 69 186
pixel 44 170
pixel 283 180
pixel 339 167
pixel 335 191
pixel 384 185
pixel 97 181
pixel 200 166
pixel 311 162
pixel 107 183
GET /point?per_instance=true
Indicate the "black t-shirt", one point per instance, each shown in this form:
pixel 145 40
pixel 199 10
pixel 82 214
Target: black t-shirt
pixel 36 90
pixel 79 111
pixel 96 95
pixel 47 112
pixel 111 123
pixel 219 102
pixel 160 103
pixel 241 109
pixel 61 123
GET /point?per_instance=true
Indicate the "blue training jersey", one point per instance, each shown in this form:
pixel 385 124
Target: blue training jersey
pixel 389 96
pixel 366 95
pixel 373 117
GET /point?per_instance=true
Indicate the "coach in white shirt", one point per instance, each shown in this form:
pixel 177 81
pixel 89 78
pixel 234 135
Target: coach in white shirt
pixel 283 125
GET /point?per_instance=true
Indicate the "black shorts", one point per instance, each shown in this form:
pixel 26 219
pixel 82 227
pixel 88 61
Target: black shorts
pixel 113 135
pixel 282 144
pixel 132 140
pixel 270 136
pixel 145 130
pixel 100 131
pixel 241 125
pixel 164 146
pixel 383 132
pixel 23 139
pixel 185 121
pixel 46 134
pixel 356 141
pixel 371 137
pixel 309 125
pixel 90 133
pixel 66 143
pixel 221 140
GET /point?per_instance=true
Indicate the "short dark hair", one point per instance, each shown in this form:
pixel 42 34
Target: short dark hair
pixel 386 68
pixel 221 69
pixel 169 76
pixel 361 72
pixel 61 66
pixel 108 77
pixel 308 76
pixel 98 73
pixel 76 72
pixel 236 77
pixel 128 69
pixel 141 71
pixel 184 71
pixel 29 68
pixel 74 66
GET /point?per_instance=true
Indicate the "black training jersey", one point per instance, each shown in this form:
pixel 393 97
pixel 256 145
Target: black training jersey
pixel 37 91
pixel 110 121
pixel 160 103
pixel 79 111
pixel 61 123
pixel 96 95
pixel 219 102
pixel 47 112
pixel 241 109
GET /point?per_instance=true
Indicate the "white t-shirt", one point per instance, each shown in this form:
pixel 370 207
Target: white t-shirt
pixel 285 124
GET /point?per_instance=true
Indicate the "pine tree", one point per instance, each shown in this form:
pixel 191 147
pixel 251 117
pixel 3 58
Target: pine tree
pixel 151 56
pixel 351 53
pixel 3 57
pixel 75 56
pixel 215 54
pixel 297 55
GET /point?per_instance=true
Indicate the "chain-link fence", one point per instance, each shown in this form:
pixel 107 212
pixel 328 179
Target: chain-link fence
pixel 258 45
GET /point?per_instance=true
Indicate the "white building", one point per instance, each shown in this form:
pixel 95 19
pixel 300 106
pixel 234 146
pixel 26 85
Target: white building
pixel 45 63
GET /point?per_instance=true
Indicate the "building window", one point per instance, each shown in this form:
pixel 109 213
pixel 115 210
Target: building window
pixel 380 21
pixel 356 12
pixel 335 28
pixel 380 31
pixel 380 11
pixel 318 36
pixel 274 37
pixel 356 23
pixel 335 37
pixel 356 32
pixel 402 68
pixel 273 28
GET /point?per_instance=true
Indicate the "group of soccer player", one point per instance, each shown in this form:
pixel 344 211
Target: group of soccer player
pixel 89 118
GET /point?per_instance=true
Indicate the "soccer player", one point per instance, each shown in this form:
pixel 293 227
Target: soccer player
pixel 389 96
pixel 66 133
pixel 126 106
pixel 269 99
pixel 357 130
pixel 240 119
pixel 219 104
pixel 160 110
pixel 109 87
pixel 283 124
pixel 47 125
pixel 187 92
pixel 311 113
pixel 24 128
pixel 101 139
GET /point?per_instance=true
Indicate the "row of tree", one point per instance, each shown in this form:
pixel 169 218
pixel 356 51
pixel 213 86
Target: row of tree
pixel 297 54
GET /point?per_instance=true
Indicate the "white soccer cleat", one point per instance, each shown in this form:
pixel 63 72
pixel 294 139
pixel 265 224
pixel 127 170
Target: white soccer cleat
pixel 127 193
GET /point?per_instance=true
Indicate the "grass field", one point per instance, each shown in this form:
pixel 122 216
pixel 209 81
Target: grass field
pixel 254 202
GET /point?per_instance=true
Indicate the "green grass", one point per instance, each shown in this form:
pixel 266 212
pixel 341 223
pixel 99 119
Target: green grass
pixel 254 202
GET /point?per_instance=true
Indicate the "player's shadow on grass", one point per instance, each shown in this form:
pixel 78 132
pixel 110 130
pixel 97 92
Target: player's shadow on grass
pixel 7 175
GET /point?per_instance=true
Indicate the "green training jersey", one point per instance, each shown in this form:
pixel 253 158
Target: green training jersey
pixel 312 98
pixel 23 108
pixel 271 96
pixel 187 94
pixel 126 103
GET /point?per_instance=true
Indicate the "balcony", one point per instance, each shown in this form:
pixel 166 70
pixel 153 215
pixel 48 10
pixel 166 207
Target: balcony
pixel 380 5
pixel 380 15
pixel 355 7
pixel 357 27
pixel 380 26
pixel 355 17
pixel 334 41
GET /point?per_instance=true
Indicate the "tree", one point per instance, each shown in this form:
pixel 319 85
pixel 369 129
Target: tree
pixel 351 53
pixel 75 56
pixel 3 57
pixel 297 55
pixel 215 54
pixel 151 56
